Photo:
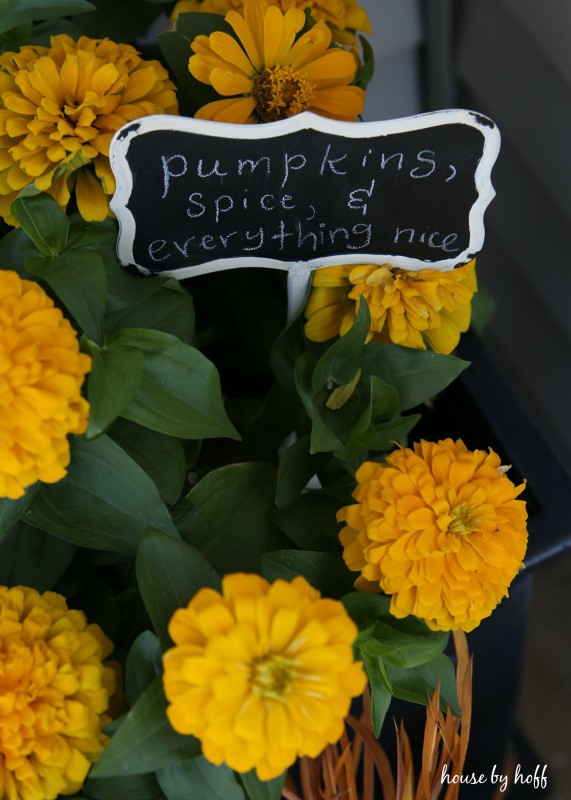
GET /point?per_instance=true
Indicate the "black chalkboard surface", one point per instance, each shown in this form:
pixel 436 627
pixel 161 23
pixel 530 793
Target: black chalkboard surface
pixel 195 196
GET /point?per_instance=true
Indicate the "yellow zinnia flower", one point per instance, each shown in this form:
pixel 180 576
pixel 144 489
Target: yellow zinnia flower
pixel 341 14
pixel 439 528
pixel 261 673
pixel 59 109
pixel 41 373
pixel 407 307
pixel 54 692
pixel 272 76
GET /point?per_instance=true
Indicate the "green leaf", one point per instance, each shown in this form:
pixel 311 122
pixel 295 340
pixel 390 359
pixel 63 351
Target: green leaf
pixel 130 787
pixel 15 248
pixel 310 522
pixel 384 406
pixel 287 349
pixel 169 573
pixel 297 467
pixel 340 361
pixel 365 72
pixel 200 780
pixel 169 308
pixel 405 643
pixel 180 390
pixel 31 557
pixel 416 374
pixel 15 12
pixel 417 684
pixel 122 21
pixel 366 608
pixel 262 790
pixel 161 457
pixel 78 279
pixel 144 663
pixel 144 741
pixel 106 502
pixel 380 437
pixel 230 519
pixel 380 691
pixel 324 571
pixel 114 378
pixel 41 217
pixel 12 510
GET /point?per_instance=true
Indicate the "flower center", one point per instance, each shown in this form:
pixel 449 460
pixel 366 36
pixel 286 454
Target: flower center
pixel 281 92
pixel 272 677
pixel 464 520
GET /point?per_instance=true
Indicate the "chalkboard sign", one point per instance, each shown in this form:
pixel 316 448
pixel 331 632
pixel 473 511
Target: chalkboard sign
pixel 195 196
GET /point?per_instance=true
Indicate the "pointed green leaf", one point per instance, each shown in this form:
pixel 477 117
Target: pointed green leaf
pixel 263 790
pixel 180 391
pixel 162 457
pixel 169 573
pixel 323 571
pixel 15 12
pixel 230 519
pixel 405 643
pixel 366 608
pixel 12 510
pixel 78 279
pixel 114 378
pixel 143 664
pixel 415 374
pixel 341 360
pixel 41 217
pixel 380 692
pixel 144 741
pixel 169 308
pixel 297 466
pixel 106 502
pixel 200 780
pixel 417 684
pixel 31 557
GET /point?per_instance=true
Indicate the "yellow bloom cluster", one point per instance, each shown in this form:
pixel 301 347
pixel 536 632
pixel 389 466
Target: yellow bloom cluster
pixel 410 308
pixel 270 75
pixel 261 673
pixel 342 14
pixel 41 373
pixel 59 109
pixel 439 528
pixel 54 692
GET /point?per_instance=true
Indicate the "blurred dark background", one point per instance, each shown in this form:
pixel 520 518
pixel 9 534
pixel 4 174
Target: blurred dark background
pixel 511 60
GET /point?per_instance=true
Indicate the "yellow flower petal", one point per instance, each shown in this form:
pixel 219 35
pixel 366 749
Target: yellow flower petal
pixel 237 110
pixel 92 202
pixel 228 48
pixel 274 683
pixel 285 75
pixel 229 83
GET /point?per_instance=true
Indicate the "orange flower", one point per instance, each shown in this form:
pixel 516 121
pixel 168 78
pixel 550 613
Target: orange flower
pixel 54 695
pixel 439 528
pixel 412 308
pixel 341 14
pixel 41 374
pixel 270 75
pixel 59 108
